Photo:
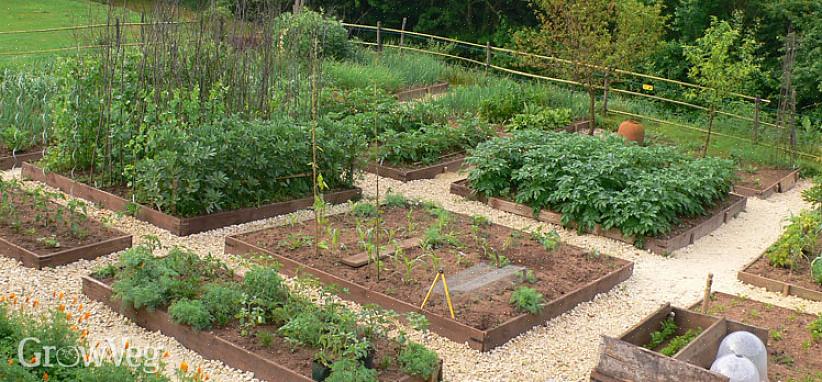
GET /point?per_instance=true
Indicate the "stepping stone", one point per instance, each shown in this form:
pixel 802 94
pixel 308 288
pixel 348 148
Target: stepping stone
pixel 478 277
pixel 361 259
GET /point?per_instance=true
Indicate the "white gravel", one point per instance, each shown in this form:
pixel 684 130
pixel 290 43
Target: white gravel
pixel 565 349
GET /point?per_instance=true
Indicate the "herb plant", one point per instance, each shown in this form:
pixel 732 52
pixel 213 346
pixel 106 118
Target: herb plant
pixel 667 329
pixel 527 300
pixel 190 312
pixel 677 343
pixel 417 360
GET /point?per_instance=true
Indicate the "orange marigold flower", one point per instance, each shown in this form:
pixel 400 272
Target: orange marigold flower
pixel 126 345
pixel 166 354
pixel 10 362
pixel 35 303
pixel 61 295
pixel 33 359
pixel 61 308
pixel 184 367
pixel 12 296
pixel 68 316
pixel 45 376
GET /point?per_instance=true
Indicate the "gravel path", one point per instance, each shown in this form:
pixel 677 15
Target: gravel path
pixel 564 349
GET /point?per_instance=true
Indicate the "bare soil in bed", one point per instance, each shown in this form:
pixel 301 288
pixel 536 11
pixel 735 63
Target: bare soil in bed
pixel 793 357
pixel 30 233
pixel 761 178
pixel 800 276
pixel 557 272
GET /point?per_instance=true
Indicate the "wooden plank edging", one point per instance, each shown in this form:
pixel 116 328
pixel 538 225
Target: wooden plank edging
pixel 482 340
pixel 427 172
pixel 180 226
pixel 776 286
pixel 14 161
pixel 205 343
pixel 88 252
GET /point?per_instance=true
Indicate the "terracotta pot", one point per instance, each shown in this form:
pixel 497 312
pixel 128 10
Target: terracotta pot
pixel 632 131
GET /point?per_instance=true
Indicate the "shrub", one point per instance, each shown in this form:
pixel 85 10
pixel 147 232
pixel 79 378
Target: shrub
pixel 144 281
pixel 192 313
pixel 300 30
pixel 417 360
pixel 526 299
pixel 431 143
pixel 642 191
pixel 223 301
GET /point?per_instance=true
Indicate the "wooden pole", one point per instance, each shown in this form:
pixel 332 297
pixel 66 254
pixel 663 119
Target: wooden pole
pixel 605 94
pixel 706 298
pixel 487 56
pixel 402 34
pixel 379 36
pixel 757 106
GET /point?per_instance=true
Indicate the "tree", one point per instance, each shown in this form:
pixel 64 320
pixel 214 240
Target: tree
pixel 721 61
pixel 596 36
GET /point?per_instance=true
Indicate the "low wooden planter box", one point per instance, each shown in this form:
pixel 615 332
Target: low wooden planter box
pixel 579 127
pixel 176 225
pixel 15 161
pixel 420 92
pixel 624 359
pixel 87 252
pixel 407 175
pixel 482 340
pixel 778 286
pixel 204 343
pixel 784 184
pixel 656 245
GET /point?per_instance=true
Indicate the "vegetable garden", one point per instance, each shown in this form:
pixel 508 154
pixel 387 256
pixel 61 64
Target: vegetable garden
pixel 286 184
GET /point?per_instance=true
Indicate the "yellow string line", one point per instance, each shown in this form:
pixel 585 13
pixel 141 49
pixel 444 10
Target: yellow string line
pixel 800 153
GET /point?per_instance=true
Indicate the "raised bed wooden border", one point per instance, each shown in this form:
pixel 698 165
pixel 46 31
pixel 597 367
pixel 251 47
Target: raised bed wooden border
pixel 176 225
pixel 622 360
pixel 772 285
pixel 423 91
pixel 427 172
pixel 204 343
pixel 655 245
pixel 14 161
pixel 482 340
pixel 782 185
pixel 66 256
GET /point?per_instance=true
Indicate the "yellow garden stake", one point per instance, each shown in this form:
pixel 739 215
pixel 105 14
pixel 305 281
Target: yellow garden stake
pixel 440 273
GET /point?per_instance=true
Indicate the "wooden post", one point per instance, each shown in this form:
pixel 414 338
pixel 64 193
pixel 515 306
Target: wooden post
pixel 711 114
pixel 757 106
pixel 487 56
pixel 792 124
pixel 706 298
pixel 402 34
pixel 379 36
pixel 605 94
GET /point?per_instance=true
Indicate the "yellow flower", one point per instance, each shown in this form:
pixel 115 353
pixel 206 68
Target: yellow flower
pixel 184 367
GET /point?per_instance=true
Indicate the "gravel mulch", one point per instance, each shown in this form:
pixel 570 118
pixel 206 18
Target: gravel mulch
pixel 564 349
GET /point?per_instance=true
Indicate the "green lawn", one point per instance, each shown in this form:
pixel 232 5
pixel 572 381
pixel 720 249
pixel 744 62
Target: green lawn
pixel 17 15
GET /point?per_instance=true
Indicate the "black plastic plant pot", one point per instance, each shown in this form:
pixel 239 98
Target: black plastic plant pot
pixel 368 359
pixel 319 372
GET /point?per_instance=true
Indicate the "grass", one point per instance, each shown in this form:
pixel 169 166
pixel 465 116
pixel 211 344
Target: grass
pixel 17 15
pixel 390 71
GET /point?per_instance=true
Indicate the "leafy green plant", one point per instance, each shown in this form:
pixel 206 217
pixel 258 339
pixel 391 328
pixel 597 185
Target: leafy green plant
pixel 417 321
pixel 435 238
pixel 798 240
pixel 527 300
pixel 677 343
pixel 416 360
pixel 191 312
pixel 294 241
pixel 813 195
pixel 642 191
pixel 349 370
pixel 393 200
pixel 816 269
pixel 549 240
pixel 815 328
pixel 668 328
pixel 540 118
pixel 222 301
pixel 266 338
pixel 104 272
pixel 266 285
pixel 365 210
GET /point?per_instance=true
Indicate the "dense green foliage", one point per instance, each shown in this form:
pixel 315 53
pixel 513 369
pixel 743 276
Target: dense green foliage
pixel 24 108
pixel 815 328
pixel 540 119
pixel 643 191
pixel 677 343
pixel 667 328
pixel 190 312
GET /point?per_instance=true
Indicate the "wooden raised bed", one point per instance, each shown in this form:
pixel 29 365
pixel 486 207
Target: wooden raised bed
pixel 423 91
pixel 176 225
pixel 778 286
pixel 662 246
pixel 624 359
pixel 204 343
pixel 14 161
pixel 88 252
pixel 482 340
pixel 407 175
pixel 785 181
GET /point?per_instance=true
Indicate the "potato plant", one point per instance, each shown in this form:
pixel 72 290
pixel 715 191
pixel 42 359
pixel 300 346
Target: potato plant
pixel 642 191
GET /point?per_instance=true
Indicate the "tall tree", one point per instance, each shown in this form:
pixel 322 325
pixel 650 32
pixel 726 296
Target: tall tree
pixel 722 61
pixel 596 36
